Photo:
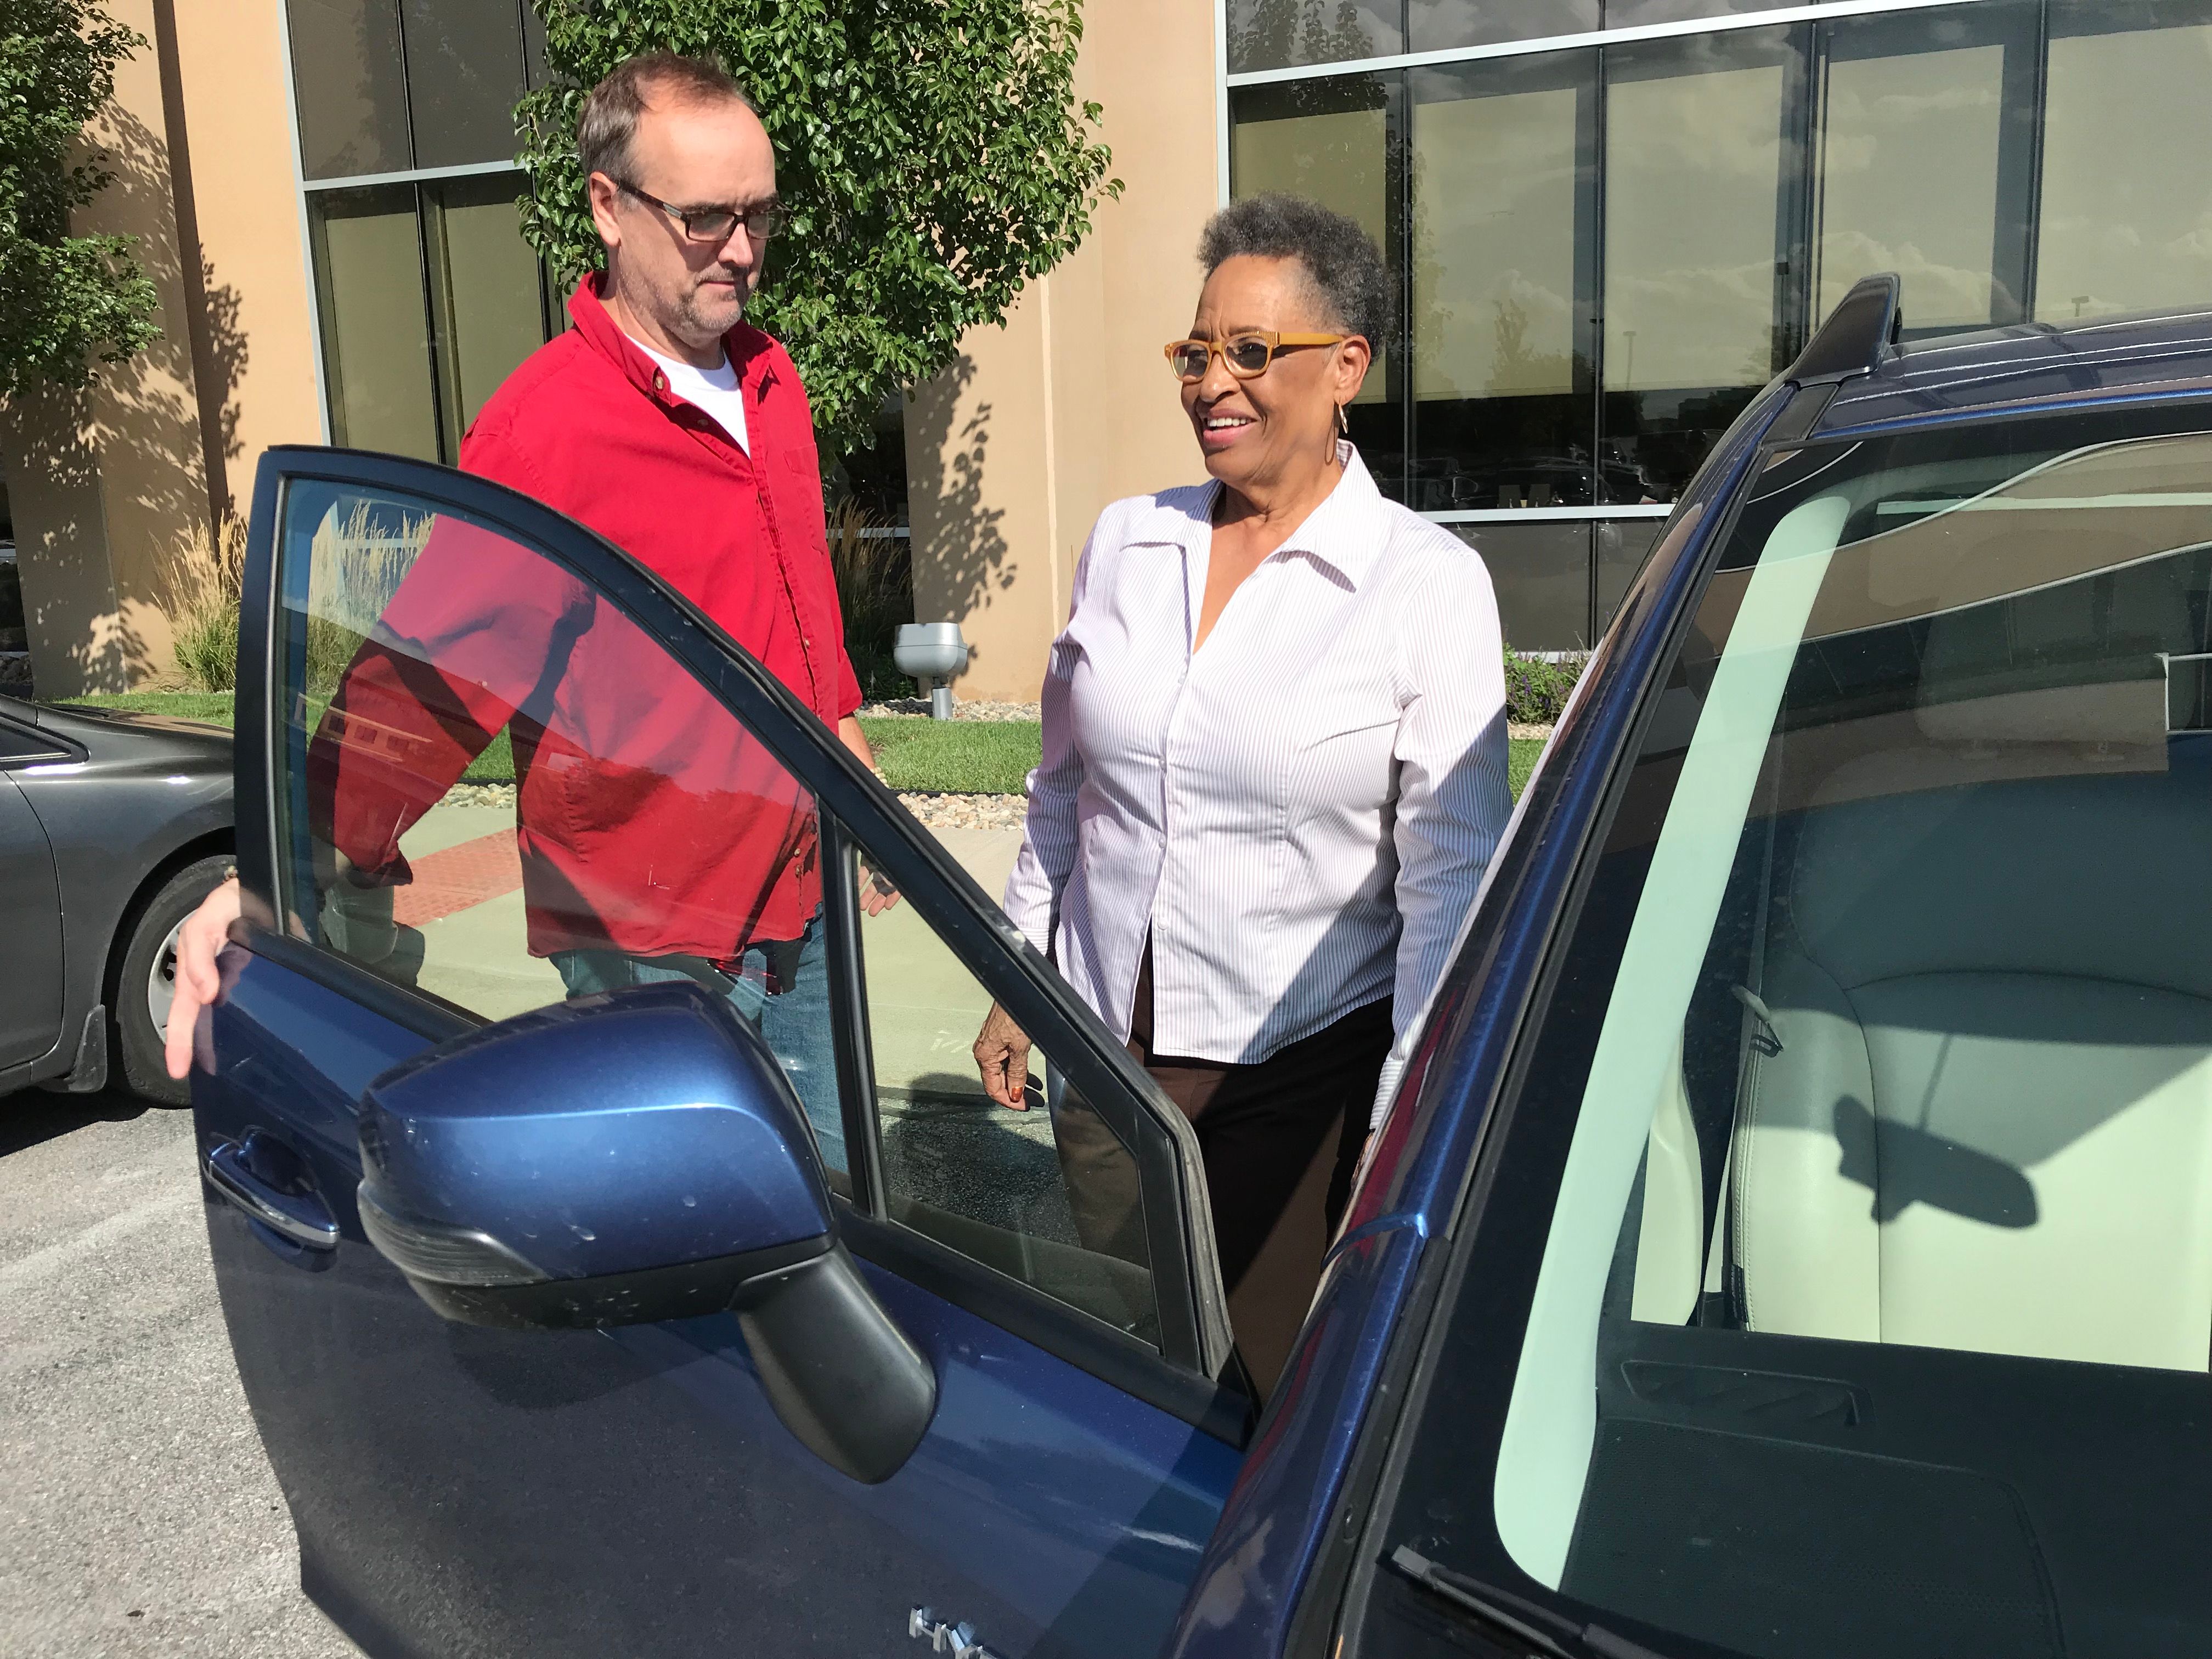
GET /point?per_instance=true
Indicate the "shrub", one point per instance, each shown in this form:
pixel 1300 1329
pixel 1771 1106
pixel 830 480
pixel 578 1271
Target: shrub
pixel 203 576
pixel 1536 689
pixel 875 590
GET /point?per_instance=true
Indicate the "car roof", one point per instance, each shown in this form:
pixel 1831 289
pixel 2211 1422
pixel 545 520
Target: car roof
pixel 2151 354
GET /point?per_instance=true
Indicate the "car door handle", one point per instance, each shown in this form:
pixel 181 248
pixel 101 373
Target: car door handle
pixel 304 1221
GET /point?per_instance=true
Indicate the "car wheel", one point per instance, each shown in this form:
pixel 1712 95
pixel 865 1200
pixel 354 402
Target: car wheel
pixel 138 1008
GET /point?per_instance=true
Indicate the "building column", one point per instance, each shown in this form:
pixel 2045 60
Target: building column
pixel 1012 452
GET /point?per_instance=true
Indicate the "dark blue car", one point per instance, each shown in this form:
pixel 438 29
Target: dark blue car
pixel 1794 1237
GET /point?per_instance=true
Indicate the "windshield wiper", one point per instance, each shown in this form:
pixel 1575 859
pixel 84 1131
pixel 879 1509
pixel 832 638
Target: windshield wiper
pixel 1510 1615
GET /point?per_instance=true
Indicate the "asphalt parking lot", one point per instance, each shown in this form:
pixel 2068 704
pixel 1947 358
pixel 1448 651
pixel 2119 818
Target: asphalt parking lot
pixel 138 1514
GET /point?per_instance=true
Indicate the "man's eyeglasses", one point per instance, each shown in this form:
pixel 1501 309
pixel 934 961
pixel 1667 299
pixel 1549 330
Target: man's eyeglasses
pixel 1246 354
pixel 763 220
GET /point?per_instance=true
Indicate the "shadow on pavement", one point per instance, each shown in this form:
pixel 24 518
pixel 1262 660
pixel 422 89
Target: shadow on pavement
pixel 30 1116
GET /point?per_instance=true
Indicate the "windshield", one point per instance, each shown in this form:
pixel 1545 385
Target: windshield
pixel 1874 1310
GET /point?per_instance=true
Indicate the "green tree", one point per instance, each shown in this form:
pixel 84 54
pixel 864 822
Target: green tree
pixel 931 152
pixel 69 299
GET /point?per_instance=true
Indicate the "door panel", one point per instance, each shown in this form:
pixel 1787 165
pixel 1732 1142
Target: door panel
pixel 463 1491
pixel 31 966
pixel 459 1490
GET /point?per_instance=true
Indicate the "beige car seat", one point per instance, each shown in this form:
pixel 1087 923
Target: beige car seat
pixel 1988 1122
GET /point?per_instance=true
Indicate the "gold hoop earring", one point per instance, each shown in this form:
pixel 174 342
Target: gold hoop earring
pixel 1343 423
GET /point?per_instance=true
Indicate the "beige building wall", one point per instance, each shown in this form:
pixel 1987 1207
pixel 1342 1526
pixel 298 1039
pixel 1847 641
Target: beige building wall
pixel 256 353
pixel 1012 453
pixel 103 484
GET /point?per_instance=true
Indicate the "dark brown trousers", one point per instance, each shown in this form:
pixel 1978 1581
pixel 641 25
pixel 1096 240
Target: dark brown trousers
pixel 1281 1140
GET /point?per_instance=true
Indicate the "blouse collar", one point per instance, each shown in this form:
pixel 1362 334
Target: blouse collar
pixel 1346 532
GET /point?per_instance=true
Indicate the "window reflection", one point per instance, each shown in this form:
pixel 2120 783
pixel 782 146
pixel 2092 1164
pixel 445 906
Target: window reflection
pixel 1637 14
pixel 1438 25
pixel 376 344
pixel 1622 548
pixel 464 74
pixel 1896 92
pixel 1696 263
pixel 2126 192
pixel 1503 186
pixel 1334 140
pixel 1274 33
pixel 350 87
pixel 482 294
pixel 1541 574
pixel 399 376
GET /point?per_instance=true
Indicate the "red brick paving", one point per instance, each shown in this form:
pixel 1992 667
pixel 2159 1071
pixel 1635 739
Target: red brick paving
pixel 457 878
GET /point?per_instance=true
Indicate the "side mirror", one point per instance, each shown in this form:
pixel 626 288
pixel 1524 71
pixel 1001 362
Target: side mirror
pixel 630 1157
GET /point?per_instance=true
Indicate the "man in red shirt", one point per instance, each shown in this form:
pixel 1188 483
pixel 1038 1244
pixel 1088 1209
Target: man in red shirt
pixel 664 422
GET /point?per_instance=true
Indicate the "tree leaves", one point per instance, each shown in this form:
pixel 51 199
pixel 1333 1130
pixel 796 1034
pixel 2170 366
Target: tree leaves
pixel 69 298
pixel 930 151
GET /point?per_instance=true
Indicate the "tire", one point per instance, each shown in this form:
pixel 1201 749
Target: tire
pixel 146 969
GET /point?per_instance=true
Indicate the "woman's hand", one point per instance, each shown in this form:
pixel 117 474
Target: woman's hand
pixel 199 941
pixel 1002 1057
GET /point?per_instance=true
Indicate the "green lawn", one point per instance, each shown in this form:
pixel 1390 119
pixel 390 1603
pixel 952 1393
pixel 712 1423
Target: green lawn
pixel 210 705
pixel 989 757
pixel 965 757
pixel 1521 762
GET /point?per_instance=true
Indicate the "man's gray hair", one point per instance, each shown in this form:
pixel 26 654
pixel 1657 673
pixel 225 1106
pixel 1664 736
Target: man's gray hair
pixel 611 108
pixel 1340 260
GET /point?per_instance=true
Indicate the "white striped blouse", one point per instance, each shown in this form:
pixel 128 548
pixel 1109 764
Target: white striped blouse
pixel 1299 811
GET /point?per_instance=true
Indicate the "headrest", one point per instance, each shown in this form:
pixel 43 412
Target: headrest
pixel 2106 877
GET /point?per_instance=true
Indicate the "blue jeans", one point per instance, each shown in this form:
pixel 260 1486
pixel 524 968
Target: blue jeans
pixel 795 1022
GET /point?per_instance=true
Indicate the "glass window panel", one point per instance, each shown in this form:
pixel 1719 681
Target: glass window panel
pixel 1635 14
pixel 2126 213
pixel 1541 574
pixel 376 340
pixel 478 755
pixel 1623 545
pixel 350 87
pixel 1275 34
pixel 1440 24
pixel 1695 170
pixel 1504 271
pixel 535 69
pixel 464 74
pixel 1896 94
pixel 1050 1194
pixel 1333 141
pixel 485 293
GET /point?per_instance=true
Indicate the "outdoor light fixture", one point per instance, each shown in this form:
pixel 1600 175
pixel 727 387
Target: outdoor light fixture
pixel 931 651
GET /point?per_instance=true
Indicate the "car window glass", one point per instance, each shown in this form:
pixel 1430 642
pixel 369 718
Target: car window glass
pixel 1049 1195
pixel 20 743
pixel 1874 1309
pixel 496 787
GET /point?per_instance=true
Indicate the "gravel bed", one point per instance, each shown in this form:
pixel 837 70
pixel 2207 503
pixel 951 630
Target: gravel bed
pixel 482 794
pixel 947 811
pixel 961 709
pixel 1516 730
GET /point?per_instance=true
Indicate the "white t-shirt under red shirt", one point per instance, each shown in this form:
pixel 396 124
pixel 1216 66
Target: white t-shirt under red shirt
pixel 714 390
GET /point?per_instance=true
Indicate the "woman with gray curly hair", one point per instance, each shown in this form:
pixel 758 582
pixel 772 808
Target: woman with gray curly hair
pixel 1274 766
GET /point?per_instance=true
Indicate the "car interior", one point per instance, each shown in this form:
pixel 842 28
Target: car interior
pixel 1903 1341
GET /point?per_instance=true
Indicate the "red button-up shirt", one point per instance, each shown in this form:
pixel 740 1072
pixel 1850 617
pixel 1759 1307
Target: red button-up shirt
pixel 647 820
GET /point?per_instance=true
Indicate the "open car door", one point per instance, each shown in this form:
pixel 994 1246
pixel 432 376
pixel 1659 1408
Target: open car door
pixel 501 792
